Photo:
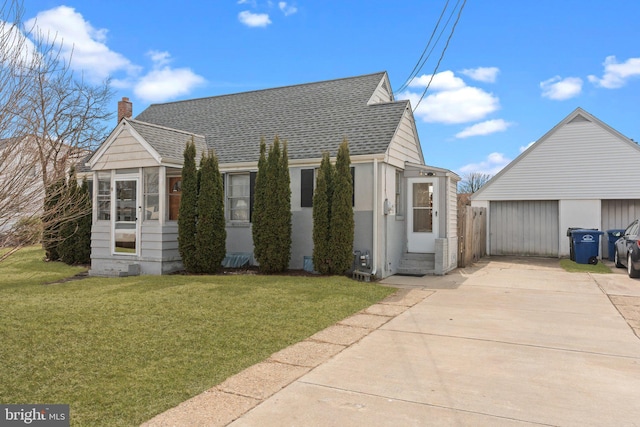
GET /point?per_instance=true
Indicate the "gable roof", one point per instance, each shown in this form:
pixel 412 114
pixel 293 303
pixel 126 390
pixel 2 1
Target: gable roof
pixel 168 143
pixel 578 158
pixel 311 117
pixel 164 146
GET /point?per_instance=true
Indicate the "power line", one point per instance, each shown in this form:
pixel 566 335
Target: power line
pixel 418 66
pixel 442 55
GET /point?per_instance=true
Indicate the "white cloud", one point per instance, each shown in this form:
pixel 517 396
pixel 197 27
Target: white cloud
pixel 286 8
pixel 86 49
pixel 484 128
pixel 81 43
pixel 616 74
pixel 525 147
pixel 163 82
pixel 159 58
pixel 445 80
pixel 18 48
pixel 254 19
pixel 493 164
pixel 482 74
pixel 559 89
pixel 450 100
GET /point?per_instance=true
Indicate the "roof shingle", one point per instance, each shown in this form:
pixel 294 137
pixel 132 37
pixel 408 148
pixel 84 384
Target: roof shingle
pixel 312 118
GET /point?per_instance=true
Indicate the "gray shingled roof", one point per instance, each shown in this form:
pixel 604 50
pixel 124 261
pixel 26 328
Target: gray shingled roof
pixel 312 118
pixel 169 143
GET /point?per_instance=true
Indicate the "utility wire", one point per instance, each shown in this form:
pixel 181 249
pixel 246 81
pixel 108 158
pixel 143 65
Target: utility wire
pixel 438 39
pixel 442 55
pixel 418 66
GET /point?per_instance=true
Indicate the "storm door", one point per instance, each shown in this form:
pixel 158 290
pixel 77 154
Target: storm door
pixel 126 217
pixel 422 215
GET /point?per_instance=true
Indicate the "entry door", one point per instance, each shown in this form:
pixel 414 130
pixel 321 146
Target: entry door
pixel 126 217
pixel 422 225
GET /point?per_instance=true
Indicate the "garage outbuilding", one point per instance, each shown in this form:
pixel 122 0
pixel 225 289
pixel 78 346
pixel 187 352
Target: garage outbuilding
pixel 582 173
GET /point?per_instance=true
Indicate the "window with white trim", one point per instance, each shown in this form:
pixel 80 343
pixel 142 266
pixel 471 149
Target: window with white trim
pixel 238 197
pixel 151 194
pixel 104 196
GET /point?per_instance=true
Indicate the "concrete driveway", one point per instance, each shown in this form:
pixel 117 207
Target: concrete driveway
pixel 511 341
pixel 508 342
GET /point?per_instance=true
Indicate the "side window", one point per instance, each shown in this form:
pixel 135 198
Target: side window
pixel 306 188
pixel 151 194
pixel 633 229
pixel 238 197
pixel 353 186
pixel 174 190
pixel 104 196
pixel 399 197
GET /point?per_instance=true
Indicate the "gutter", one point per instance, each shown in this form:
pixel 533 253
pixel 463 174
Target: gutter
pixel 374 250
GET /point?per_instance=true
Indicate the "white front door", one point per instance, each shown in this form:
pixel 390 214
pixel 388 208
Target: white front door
pixel 422 215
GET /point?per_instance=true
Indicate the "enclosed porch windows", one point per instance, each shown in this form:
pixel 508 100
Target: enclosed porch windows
pixel 104 196
pixel 151 194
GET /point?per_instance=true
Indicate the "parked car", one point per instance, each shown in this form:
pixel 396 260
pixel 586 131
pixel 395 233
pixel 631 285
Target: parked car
pixel 627 252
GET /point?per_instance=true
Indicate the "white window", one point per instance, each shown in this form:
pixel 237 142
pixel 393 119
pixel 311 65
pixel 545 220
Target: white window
pixel 399 197
pixel 238 197
pixel 173 193
pixel 151 194
pixel 104 196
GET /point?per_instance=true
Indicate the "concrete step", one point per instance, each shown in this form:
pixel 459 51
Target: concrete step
pixel 413 264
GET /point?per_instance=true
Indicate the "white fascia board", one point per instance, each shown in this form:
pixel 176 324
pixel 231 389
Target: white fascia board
pixel 114 136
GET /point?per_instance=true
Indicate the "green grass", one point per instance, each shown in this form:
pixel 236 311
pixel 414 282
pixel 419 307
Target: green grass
pixel 120 351
pixel 574 267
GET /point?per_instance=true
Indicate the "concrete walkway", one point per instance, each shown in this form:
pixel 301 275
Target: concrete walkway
pixel 508 342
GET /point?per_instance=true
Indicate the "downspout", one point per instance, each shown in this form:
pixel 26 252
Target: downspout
pixel 374 250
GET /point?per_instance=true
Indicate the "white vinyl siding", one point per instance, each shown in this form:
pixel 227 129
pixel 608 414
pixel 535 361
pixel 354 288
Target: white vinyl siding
pixel 579 160
pixel 125 152
pixel 382 93
pixel 404 146
pixel 452 208
pixel 524 228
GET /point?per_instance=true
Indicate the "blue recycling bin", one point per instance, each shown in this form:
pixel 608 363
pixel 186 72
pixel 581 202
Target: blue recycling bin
pixel 613 235
pixel 586 245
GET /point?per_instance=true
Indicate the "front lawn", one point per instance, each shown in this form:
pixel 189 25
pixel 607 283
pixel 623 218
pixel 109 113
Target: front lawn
pixel 120 351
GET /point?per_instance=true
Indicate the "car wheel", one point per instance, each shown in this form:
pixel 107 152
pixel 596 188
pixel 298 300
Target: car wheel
pixel 633 273
pixel 616 259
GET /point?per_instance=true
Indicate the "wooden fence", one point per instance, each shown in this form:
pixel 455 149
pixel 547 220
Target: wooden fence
pixel 472 234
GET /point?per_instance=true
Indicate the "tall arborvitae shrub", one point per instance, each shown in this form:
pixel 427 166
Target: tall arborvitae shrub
pixel 188 209
pixel 83 237
pixel 322 216
pixel 74 246
pixel 342 224
pixel 283 215
pixel 274 234
pixel 211 234
pixel 51 215
pixel 67 229
pixel 259 197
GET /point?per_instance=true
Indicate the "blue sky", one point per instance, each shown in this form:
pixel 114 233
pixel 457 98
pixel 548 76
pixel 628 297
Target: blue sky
pixel 512 71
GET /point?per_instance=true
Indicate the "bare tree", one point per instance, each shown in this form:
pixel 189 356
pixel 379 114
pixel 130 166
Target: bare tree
pixel 49 120
pixel 472 182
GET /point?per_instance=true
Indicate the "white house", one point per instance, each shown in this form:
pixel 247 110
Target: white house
pixel 582 173
pixel 404 210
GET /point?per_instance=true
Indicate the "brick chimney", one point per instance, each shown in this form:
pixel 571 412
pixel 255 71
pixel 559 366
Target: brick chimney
pixel 125 109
